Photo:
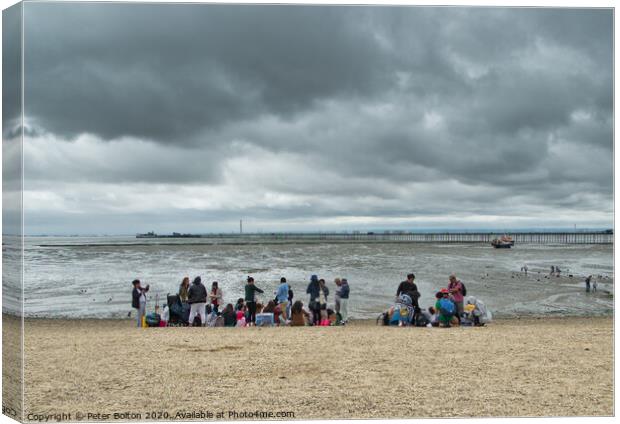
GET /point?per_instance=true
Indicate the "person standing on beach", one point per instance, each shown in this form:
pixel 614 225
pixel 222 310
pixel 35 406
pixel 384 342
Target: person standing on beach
pixel 290 300
pixel 138 300
pixel 408 287
pixel 250 300
pixel 183 289
pixel 344 300
pixel 282 297
pixel 216 296
pixel 338 283
pixel 314 290
pixel 197 299
pixel 323 292
pixel 455 287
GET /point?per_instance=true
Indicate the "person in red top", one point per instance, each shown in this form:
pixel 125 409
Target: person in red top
pixel 455 287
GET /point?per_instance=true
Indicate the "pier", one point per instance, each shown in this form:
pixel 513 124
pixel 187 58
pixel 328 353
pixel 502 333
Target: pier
pixel 593 237
pixel 519 238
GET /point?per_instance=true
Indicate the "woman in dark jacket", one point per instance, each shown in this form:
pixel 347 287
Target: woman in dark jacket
pixel 314 290
pixel 230 316
pixel 197 298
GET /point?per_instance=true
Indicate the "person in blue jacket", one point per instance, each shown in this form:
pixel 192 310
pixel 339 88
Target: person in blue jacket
pixel 282 297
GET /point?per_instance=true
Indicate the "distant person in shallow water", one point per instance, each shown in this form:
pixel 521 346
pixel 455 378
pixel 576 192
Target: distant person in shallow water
pixel 183 289
pixel 138 300
pixel 588 279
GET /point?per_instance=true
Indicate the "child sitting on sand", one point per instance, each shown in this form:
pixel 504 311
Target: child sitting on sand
pixel 240 305
pixel 240 319
pixel 445 307
pixel 299 317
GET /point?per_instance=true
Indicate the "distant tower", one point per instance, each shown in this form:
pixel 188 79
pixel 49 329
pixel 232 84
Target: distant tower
pixel 241 226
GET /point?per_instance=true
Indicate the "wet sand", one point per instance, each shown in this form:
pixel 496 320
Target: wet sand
pixel 516 367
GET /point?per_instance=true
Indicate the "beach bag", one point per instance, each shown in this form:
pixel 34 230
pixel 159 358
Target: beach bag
pixel 395 318
pixel 264 320
pixel 152 319
pixel 421 321
pixel 446 307
pixel 465 322
pixel 219 322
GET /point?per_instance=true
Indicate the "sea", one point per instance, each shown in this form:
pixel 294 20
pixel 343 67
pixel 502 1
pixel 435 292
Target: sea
pixel 90 277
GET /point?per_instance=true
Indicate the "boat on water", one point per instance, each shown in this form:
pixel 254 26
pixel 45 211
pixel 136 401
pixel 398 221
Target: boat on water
pixel 503 242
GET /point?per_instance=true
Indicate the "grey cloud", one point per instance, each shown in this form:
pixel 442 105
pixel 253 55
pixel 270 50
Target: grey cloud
pixel 508 103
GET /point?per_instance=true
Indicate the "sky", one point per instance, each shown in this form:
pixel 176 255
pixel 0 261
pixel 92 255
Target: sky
pixel 189 118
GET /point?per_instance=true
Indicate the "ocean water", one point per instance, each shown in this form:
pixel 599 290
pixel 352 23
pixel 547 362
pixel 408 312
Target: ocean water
pixel 81 277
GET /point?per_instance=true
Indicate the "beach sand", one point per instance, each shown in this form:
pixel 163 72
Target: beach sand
pixel 516 367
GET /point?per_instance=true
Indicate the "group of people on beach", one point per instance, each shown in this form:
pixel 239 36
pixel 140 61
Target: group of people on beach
pixel 196 305
pixel 450 308
pixel 206 307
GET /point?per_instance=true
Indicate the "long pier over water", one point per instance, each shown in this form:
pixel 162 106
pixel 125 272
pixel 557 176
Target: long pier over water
pixel 519 238
pixel 594 237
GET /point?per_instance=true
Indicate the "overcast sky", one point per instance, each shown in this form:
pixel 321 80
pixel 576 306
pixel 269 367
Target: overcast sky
pixel 190 117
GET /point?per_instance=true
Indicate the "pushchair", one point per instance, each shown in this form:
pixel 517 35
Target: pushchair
pixel 402 311
pixel 179 311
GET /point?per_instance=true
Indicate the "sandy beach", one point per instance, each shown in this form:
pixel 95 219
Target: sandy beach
pixel 516 367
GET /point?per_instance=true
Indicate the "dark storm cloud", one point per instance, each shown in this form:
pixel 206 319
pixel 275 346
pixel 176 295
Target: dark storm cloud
pixel 375 111
pixel 168 72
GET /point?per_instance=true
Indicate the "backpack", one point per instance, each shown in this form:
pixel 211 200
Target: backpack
pixel 446 307
pixel 464 289
pixel 421 321
pixel 219 322
pixel 395 319
pixel 152 319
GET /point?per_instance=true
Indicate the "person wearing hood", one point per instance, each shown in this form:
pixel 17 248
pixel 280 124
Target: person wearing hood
pixel 197 299
pixel 480 313
pixel 343 295
pixel 314 290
